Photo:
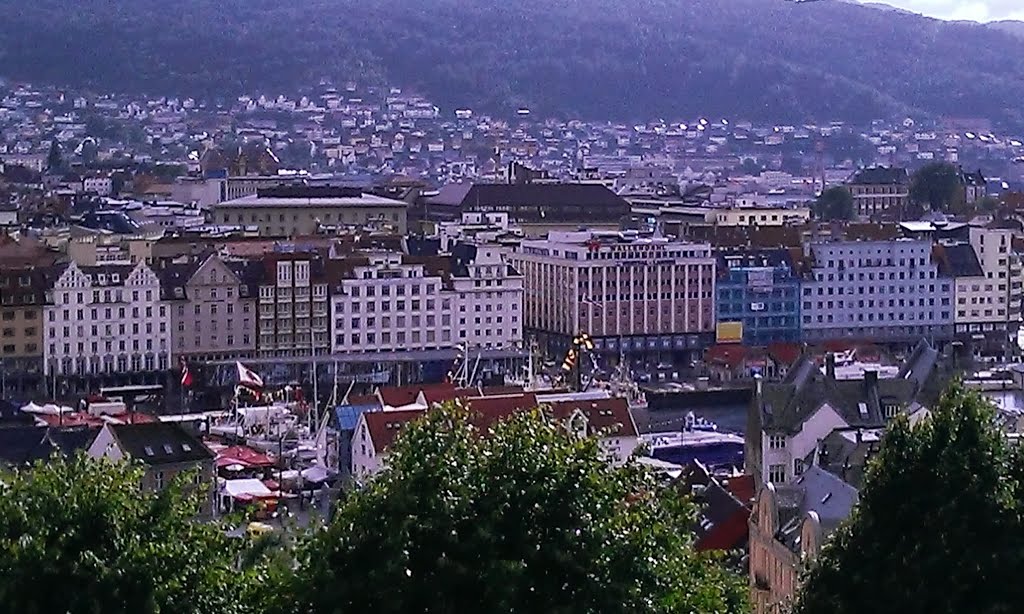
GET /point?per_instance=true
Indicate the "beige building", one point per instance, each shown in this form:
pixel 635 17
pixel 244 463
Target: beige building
pixel 294 309
pixel 879 190
pixel 988 286
pixel 760 216
pixel 22 298
pixel 288 211
pixel 213 308
pixel 96 249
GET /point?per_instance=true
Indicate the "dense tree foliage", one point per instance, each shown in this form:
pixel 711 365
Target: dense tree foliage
pixel 526 519
pixel 600 59
pixel 938 528
pixel 937 185
pixel 835 203
pixel 81 537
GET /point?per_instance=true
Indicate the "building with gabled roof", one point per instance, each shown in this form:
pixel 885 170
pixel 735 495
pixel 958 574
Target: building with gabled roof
pixel 608 419
pixel 165 449
pixel 791 417
pixel 787 529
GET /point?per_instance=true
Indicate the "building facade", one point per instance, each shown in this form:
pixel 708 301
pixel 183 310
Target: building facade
pixel 761 290
pixel 22 301
pixel 294 309
pixel 387 301
pixel 884 291
pixel 631 295
pixel 879 190
pixel 212 309
pixel 106 323
pixel 988 302
pixel 287 211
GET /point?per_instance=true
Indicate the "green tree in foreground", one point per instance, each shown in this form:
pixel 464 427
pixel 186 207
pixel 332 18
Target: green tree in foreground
pixel 525 519
pixel 937 185
pixel 938 528
pixel 80 536
pixel 835 203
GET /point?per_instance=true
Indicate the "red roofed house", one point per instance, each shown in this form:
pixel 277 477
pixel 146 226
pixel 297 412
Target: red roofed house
pixel 376 431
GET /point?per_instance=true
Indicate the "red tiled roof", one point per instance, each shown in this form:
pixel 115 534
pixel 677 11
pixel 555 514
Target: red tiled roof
pixel 242 455
pixel 730 355
pixel 784 353
pixel 610 415
pixel 399 396
pixel 741 487
pixel 487 411
pixel 729 534
pixel 385 425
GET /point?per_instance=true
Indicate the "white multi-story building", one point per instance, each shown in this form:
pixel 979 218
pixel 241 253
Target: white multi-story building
pixel 386 301
pixel 101 186
pixel 487 295
pixel 106 320
pixel 988 286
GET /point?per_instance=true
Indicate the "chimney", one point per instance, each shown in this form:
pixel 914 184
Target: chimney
pixel 871 379
pixel 830 365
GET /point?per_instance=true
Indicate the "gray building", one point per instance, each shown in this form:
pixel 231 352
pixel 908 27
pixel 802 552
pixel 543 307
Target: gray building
pixel 885 291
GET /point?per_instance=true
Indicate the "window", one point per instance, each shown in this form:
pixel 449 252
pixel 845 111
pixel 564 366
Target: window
pixel 798 466
pixel 158 477
pixel 890 410
pixel 776 442
pixel 777 474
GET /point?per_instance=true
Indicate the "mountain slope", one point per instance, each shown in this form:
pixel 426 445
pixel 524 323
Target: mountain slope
pixel 622 59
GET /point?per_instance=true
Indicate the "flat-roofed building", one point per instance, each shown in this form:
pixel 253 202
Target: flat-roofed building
pixel 650 296
pixel 287 211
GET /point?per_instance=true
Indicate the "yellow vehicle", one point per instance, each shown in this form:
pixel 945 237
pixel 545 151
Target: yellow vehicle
pixel 258 529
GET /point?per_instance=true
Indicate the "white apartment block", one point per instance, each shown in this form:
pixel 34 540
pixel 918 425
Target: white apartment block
pixel 106 319
pixel 988 299
pixel 101 186
pixel 386 301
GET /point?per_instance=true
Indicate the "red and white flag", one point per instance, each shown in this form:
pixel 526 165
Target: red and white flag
pixel 186 374
pixel 248 378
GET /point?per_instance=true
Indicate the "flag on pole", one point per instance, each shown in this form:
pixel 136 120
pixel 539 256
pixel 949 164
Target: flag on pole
pixel 186 374
pixel 248 378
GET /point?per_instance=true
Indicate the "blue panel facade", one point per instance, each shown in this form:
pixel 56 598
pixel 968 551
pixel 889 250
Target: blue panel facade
pixel 761 289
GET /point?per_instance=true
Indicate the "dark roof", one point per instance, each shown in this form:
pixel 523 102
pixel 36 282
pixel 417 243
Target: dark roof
pixel 159 443
pixel 175 276
pixel 958 260
pixel 23 445
pixel 72 440
pixel 818 491
pixel 881 175
pixel 785 405
pixel 572 202
pixel 973 179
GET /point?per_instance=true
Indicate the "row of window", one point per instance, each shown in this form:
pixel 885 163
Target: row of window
pixel 108 313
pixel 900 316
pixel 108 346
pixel 908 289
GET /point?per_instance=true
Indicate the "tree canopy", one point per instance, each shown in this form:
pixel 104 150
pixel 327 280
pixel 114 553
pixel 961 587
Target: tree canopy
pixel 937 185
pixel 80 536
pixel 835 203
pixel 938 528
pixel 524 519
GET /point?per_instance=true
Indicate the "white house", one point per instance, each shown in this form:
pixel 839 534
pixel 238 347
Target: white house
pixel 106 319
pixel 607 419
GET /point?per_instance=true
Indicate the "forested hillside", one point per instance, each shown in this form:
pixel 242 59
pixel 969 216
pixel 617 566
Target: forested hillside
pixel 625 59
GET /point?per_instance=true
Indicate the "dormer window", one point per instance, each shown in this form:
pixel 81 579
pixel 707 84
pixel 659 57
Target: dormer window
pixel 890 410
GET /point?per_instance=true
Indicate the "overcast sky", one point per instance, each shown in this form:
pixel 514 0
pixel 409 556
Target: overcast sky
pixel 977 10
